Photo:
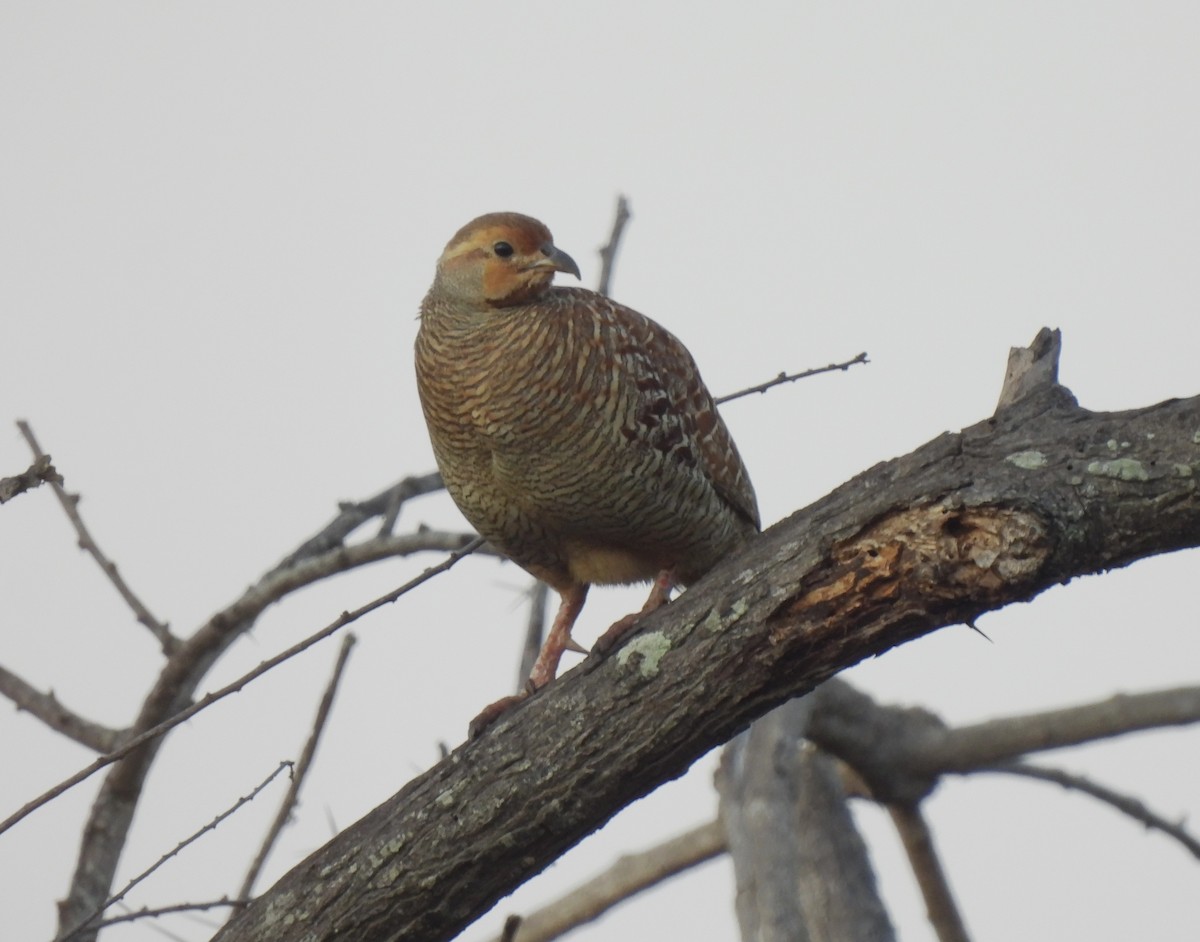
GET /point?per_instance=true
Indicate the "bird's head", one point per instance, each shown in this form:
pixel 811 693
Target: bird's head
pixel 500 260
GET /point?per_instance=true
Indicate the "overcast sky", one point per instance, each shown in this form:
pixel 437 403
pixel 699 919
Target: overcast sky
pixel 217 222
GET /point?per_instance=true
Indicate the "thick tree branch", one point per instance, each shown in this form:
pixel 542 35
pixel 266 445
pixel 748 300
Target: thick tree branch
pixel 966 524
pixel 901 753
pixel 801 867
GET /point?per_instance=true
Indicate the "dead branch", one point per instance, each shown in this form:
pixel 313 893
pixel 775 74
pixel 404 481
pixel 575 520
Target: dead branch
pixel 151 735
pixel 70 506
pixel 47 708
pixel 629 875
pixel 212 825
pixel 1131 807
pixel 923 858
pixel 901 753
pixel 39 473
pixel 793 377
pixel 966 524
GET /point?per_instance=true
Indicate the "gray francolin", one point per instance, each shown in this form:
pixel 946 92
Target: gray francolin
pixel 573 433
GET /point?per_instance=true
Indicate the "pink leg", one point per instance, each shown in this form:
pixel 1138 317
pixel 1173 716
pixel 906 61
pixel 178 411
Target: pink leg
pixel 660 593
pixel 546 666
pixel 559 639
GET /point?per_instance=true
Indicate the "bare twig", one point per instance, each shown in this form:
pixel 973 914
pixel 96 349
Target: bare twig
pixel 351 516
pixel 47 708
pixel 628 876
pixel 608 254
pixel 927 868
pixel 212 825
pixel 183 715
pixel 793 377
pixel 147 913
pixel 70 505
pixel 299 772
pixel 1123 803
pixel 37 474
pixel 535 630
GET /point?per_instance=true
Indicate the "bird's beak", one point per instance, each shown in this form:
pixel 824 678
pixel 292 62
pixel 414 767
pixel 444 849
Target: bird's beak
pixel 556 259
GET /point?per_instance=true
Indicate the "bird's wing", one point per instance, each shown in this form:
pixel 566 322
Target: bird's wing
pixel 674 411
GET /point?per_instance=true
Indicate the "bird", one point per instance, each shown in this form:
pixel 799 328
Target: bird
pixel 575 434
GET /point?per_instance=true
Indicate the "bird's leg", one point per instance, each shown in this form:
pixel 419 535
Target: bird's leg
pixel 559 638
pixel 546 666
pixel 660 593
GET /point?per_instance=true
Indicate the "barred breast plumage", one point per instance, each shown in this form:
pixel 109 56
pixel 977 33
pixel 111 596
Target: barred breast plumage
pixel 575 434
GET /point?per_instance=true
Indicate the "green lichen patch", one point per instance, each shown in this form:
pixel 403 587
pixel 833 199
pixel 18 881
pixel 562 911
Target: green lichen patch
pixel 1028 460
pixel 1123 469
pixel 649 648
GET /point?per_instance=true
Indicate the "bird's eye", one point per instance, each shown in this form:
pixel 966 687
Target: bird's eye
pixel 503 249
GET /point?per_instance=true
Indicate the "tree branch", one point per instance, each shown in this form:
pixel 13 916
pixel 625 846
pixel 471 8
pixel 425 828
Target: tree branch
pixel 923 858
pixel 1123 803
pixel 629 875
pixel 151 735
pixel 47 708
pixel 801 866
pixel 966 524
pixel 70 506
pixel 212 825
pixel 37 474
pixel 299 772
pixel 792 377
pixel 902 752
pixel 608 254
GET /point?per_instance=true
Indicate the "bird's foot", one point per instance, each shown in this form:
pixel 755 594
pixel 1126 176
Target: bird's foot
pixel 660 594
pixel 493 711
pixel 618 630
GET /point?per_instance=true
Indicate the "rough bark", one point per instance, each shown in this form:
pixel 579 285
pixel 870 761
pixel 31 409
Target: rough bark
pixel 1040 493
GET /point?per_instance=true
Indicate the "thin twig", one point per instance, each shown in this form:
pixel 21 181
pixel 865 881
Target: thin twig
pixel 301 769
pixel 37 474
pixel 70 505
pixel 535 631
pixel 211 826
pixel 792 377
pixel 1122 803
pixel 147 913
pixel 608 254
pixel 47 708
pixel 927 867
pixel 351 516
pixel 184 715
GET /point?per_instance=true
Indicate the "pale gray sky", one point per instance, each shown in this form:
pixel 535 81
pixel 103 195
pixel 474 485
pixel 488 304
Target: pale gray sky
pixel 217 221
